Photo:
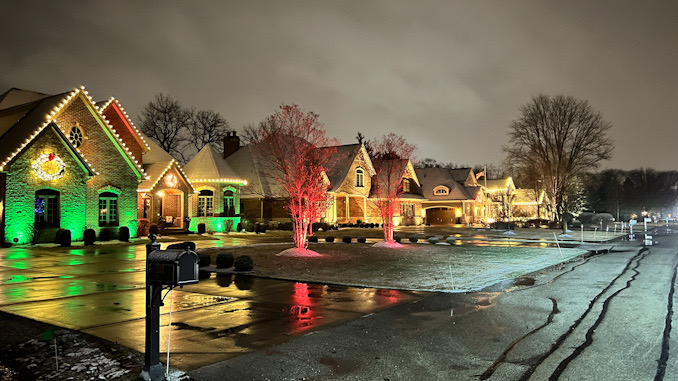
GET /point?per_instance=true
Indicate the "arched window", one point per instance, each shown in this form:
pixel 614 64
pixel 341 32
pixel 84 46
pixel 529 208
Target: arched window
pixel 229 203
pixel 108 209
pixel 441 190
pixel 205 203
pixel 406 185
pixel 359 177
pixel 47 208
pixel 76 136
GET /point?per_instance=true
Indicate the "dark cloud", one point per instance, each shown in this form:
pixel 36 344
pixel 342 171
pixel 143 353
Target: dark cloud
pixel 449 76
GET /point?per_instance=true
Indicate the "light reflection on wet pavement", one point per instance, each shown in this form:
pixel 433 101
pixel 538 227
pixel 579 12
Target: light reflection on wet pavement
pixel 100 291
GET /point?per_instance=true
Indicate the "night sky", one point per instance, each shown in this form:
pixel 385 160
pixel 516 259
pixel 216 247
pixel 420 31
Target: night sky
pixel 447 75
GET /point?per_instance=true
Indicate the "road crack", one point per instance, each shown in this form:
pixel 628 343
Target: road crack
pixel 661 363
pixel 502 358
pixel 526 376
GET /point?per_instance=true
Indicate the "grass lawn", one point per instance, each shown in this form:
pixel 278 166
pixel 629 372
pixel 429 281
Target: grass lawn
pixel 419 266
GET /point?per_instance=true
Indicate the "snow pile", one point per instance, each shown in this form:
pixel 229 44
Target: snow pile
pixel 509 232
pixel 298 252
pixel 390 245
pixel 78 359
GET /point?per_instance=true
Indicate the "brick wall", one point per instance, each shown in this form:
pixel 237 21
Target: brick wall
pixel 22 183
pixel 102 153
pixel 119 125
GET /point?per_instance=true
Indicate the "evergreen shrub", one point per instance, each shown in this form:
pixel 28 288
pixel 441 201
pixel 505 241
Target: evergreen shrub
pixel 89 236
pixel 243 263
pixel 224 260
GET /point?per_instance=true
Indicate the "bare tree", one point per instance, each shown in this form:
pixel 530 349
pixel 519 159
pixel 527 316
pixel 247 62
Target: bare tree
pixel 207 127
pixel 556 140
pixel 288 144
pixel 165 121
pixel 390 156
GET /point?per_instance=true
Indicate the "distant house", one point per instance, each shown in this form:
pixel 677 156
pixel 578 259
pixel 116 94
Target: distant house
pixel 63 166
pixel 261 198
pixel 217 201
pixel 350 177
pixel 451 196
pixel 529 204
pixel 500 194
pixel 409 211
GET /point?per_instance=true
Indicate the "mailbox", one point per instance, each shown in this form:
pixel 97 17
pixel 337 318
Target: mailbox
pixel 172 267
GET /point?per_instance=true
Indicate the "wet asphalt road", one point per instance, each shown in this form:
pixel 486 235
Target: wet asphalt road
pixel 101 291
pixel 606 317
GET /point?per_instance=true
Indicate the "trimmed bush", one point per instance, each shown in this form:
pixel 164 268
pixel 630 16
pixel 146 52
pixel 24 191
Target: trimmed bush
pixel 243 263
pixel 90 236
pixel 201 228
pixel 414 239
pixel 123 234
pixel 346 239
pixel 202 274
pixel 398 239
pixel 238 227
pixel 313 238
pixel 451 240
pixel 204 260
pixel 433 240
pixel 329 238
pixel 63 237
pixel 224 260
pixel 362 239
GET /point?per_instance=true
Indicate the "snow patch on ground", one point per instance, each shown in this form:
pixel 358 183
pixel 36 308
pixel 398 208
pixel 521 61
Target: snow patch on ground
pixel 390 245
pixel 509 232
pixel 298 252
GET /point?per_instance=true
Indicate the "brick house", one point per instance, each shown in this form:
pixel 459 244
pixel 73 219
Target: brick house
pixel 164 197
pixel 62 166
pixel 217 201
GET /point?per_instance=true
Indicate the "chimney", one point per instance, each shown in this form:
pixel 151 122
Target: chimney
pixel 231 143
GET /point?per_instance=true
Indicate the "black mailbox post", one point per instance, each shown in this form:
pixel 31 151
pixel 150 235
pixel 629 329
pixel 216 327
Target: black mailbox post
pixel 163 268
pixel 172 267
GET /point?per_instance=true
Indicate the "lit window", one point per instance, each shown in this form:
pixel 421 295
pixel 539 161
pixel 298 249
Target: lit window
pixel 205 203
pixel 229 204
pixel 47 208
pixel 359 177
pixel 406 185
pixel 441 190
pixel 108 209
pixel 76 136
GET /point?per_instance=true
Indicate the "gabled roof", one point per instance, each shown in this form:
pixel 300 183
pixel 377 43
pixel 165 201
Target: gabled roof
pixel 461 175
pixel 155 153
pixel 113 103
pixel 498 185
pixel 156 171
pixel 14 97
pixel 247 166
pixel 208 165
pixel 21 124
pixel 430 178
pixel 401 168
pixel 343 159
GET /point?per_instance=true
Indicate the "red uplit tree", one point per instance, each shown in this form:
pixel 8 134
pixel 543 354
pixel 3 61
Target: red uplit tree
pixel 287 144
pixel 390 158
